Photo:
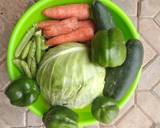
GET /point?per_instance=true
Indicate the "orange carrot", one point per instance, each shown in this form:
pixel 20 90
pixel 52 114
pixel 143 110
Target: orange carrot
pixel 86 23
pixel 81 11
pixel 44 24
pixel 62 27
pixel 79 35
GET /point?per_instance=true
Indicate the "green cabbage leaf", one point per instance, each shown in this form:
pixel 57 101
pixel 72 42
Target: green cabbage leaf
pixel 67 77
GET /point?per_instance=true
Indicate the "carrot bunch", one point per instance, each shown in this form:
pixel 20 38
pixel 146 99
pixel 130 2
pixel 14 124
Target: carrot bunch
pixel 71 24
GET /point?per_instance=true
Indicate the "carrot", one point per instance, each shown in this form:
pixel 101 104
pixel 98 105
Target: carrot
pixel 44 24
pixel 86 23
pixel 79 35
pixel 81 11
pixel 62 27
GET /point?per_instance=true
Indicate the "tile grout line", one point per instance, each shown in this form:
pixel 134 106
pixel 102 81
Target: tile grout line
pixel 154 86
pixel 144 113
pixel 155 95
pixel 26 118
pixel 153 92
pixel 149 43
pixel 135 96
pixel 139 91
pixel 3 59
pixel 156 14
pixel 156 52
pixel 138 13
pixel 118 121
pixel 150 17
pixel 154 20
pixel 150 62
pixel 153 125
pixel 138 26
pixel 139 7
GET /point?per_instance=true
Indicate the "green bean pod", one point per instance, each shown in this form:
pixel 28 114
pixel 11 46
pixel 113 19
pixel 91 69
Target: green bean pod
pixel 26 69
pixel 26 50
pixel 33 67
pixel 38 32
pixel 31 54
pixel 38 48
pixel 17 62
pixel 24 41
pixel 43 44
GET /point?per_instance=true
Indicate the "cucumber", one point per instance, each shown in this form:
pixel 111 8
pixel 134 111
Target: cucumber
pixel 119 79
pixel 102 16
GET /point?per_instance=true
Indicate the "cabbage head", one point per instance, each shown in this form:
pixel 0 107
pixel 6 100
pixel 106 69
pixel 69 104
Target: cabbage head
pixel 67 77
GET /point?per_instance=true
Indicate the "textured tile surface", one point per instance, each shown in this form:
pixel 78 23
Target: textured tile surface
pixel 129 6
pixel 150 31
pixel 33 120
pixel 150 105
pixel 13 10
pixel 4 124
pixel 10 115
pixel 149 52
pixel 134 119
pixel 134 20
pixel 158 125
pixel 157 90
pixel 157 18
pixel 150 8
pixel 4 81
pixel 150 75
pixel 109 126
pixel 4 32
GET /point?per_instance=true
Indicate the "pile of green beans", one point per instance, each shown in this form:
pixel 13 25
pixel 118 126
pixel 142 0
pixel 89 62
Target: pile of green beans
pixel 30 51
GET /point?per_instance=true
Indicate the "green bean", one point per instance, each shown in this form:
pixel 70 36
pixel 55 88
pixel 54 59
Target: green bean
pixel 31 54
pixel 26 69
pixel 33 67
pixel 26 50
pixel 38 33
pixel 43 45
pixel 17 62
pixel 24 41
pixel 38 49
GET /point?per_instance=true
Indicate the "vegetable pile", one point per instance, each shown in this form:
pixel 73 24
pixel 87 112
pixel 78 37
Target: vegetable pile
pixel 73 60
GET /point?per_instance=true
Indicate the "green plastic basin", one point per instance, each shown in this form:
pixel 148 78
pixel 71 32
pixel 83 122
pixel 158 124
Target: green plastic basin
pixel 33 15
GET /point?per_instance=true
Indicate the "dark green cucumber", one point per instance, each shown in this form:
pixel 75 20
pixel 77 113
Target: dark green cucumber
pixel 121 78
pixel 102 16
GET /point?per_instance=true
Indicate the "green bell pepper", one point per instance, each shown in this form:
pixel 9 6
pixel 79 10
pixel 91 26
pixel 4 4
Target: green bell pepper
pixel 108 48
pixel 22 92
pixel 104 109
pixel 60 117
